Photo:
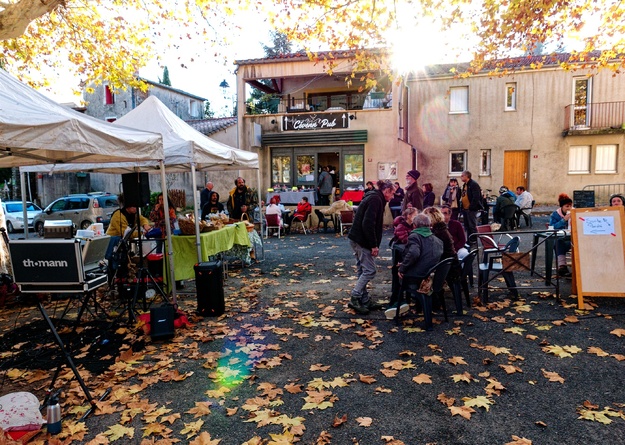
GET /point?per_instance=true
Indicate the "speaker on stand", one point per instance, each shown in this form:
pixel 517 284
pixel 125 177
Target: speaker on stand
pixel 136 188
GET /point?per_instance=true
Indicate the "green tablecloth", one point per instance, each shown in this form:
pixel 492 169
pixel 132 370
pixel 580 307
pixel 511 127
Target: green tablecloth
pixel 212 243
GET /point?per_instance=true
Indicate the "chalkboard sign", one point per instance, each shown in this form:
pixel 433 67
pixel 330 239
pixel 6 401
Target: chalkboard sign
pixel 583 198
pixel 598 237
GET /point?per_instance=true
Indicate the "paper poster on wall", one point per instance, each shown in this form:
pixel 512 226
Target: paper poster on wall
pixel 387 170
pixel 598 225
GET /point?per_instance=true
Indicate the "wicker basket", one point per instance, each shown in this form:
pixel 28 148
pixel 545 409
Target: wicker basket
pixel 249 226
pixel 187 226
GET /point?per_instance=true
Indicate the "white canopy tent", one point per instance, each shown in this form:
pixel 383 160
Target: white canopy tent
pixel 36 130
pixel 185 149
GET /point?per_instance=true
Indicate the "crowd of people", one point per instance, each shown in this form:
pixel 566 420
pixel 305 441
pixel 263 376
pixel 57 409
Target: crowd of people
pixel 424 233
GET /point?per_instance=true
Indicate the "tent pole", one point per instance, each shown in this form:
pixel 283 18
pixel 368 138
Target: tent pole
pixel 170 247
pixel 198 213
pixel 24 209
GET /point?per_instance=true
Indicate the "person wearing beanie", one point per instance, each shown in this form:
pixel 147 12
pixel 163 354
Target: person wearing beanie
pixel 617 200
pixel 471 200
pixel 413 194
pixel 560 220
pixel 503 200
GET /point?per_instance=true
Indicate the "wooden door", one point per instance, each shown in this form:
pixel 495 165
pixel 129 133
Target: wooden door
pixel 516 169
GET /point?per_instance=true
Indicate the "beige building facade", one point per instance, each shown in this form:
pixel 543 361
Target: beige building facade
pixel 547 129
pixel 320 120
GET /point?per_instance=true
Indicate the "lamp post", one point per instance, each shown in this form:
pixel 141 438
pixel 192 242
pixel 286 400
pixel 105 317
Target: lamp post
pixel 224 88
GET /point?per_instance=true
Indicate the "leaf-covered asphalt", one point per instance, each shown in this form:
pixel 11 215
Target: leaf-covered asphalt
pixel 289 362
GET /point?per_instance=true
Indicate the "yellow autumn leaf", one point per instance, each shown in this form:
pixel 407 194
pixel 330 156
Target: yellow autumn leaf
pixel 116 432
pixel 479 401
pixel 515 330
pixel 437 359
pixel 191 429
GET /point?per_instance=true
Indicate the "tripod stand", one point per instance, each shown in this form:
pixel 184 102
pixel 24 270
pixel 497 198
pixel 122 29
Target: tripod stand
pixel 143 278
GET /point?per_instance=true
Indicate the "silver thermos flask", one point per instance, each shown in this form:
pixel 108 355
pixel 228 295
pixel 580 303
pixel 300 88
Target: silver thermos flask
pixel 54 416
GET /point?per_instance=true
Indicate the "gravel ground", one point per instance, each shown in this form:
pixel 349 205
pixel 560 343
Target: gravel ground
pixel 289 362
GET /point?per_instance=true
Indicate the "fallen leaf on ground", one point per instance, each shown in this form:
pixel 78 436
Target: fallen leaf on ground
pixel 364 421
pixel 464 411
pixel 552 376
pixel 422 378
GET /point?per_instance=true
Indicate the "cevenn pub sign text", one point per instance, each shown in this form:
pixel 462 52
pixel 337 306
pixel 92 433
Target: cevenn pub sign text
pixel 322 121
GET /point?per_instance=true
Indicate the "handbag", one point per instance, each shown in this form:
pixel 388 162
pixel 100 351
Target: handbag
pixel 245 217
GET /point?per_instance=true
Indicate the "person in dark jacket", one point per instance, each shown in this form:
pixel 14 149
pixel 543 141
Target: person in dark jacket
pixel 503 200
pixel 422 252
pixel 440 230
pixel 403 226
pixel 471 204
pixel 451 197
pixel 414 194
pixel 395 203
pixel 428 195
pixel 365 237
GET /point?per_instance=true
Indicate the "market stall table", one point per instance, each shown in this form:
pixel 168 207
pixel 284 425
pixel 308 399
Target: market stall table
pixel 212 243
pixel 353 195
pixel 292 197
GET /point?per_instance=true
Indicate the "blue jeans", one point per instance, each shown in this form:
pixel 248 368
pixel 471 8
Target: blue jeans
pixel 365 266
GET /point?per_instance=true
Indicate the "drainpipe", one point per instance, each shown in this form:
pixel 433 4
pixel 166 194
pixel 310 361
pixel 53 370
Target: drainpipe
pixel 414 157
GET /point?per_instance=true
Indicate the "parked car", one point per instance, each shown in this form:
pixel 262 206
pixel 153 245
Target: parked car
pixel 14 214
pixel 83 210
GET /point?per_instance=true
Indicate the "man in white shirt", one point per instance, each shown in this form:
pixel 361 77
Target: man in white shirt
pixel 524 201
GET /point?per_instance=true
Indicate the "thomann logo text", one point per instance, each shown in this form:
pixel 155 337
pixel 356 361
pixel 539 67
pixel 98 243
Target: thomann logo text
pixel 44 263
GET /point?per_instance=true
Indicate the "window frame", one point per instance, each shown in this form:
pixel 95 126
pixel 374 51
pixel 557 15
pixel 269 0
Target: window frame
pixel 511 97
pixel 484 172
pixel 109 95
pixel 614 160
pixel 454 99
pixel 453 172
pixel 579 171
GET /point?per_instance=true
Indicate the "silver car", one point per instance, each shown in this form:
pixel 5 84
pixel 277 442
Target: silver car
pixel 14 214
pixel 83 210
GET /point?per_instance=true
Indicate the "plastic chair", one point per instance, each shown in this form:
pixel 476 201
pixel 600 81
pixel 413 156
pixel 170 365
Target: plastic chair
pixel 323 219
pixel 497 266
pixel 508 220
pixel 526 216
pixel 462 284
pixel 346 219
pixel 272 223
pixel 439 272
pixel 300 219
pixel 491 243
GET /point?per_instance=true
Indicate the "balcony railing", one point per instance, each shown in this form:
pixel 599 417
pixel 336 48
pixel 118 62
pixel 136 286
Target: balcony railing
pixel 597 116
pixel 319 103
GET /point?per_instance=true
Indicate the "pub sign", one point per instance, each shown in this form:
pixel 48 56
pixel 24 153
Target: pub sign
pixel 314 121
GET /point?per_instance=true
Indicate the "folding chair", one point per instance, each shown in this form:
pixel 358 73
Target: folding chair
pixel 302 220
pixel 346 219
pixel 272 223
pixel 495 264
pixel 439 272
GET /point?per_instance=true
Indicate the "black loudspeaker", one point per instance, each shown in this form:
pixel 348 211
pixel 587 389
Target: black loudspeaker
pixel 209 285
pixel 136 187
pixel 162 322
